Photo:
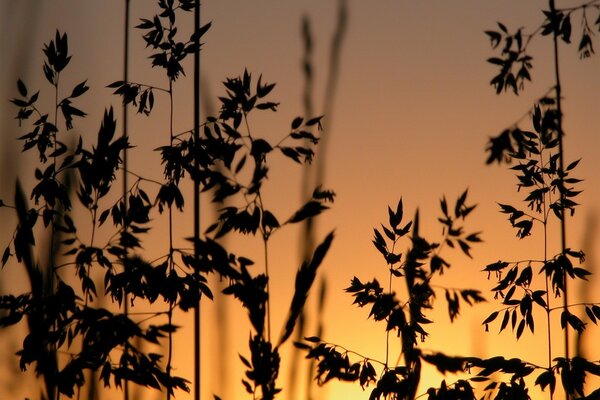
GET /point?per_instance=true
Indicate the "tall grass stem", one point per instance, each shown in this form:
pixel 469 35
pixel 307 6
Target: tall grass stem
pixel 125 161
pixel 197 321
pixel 563 230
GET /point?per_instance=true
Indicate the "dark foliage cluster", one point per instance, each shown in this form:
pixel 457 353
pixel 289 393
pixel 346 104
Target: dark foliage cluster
pixel 514 61
pixel 537 157
pixel 243 150
pixel 549 192
pixel 547 180
pixel 63 317
pixel 231 164
pixel 406 318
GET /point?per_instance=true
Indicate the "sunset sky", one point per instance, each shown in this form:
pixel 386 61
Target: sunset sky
pixel 411 117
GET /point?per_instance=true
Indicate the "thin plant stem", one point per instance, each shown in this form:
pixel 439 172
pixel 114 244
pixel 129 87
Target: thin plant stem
pixel 197 321
pixel 266 255
pixel 53 390
pixel 563 233
pixel 307 182
pixel 548 309
pixel 265 246
pixel 307 235
pixel 387 333
pixel 125 163
pixel 318 176
pixel 221 307
pixel 546 280
pixel 171 251
pixel 332 79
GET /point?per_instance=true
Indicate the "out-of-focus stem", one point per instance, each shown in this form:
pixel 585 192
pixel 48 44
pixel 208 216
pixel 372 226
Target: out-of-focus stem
pixel 197 321
pixel 307 234
pixel 313 178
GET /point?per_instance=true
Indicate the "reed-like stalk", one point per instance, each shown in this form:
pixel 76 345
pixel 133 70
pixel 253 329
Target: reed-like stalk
pixel 171 268
pixel 197 321
pixel 221 363
pixel 307 235
pixel 125 129
pixel 563 229
pixel 314 177
pixel 585 295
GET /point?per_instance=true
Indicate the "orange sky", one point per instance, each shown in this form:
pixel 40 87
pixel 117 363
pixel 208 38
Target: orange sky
pixel 411 118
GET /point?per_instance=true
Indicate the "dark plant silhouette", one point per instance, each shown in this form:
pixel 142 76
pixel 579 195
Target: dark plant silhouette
pixel 80 225
pixel 544 173
pixel 406 316
pixel 252 217
pixel 313 175
pixel 550 187
pixel 66 318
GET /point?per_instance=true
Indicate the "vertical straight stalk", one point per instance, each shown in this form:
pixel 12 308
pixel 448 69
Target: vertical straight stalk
pixel 266 254
pixel 307 235
pixel 563 231
pixel 330 89
pixel 171 250
pixel 48 289
pixel 125 166
pixel 197 199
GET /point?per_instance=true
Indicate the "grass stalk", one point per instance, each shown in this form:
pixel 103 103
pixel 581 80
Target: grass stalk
pixel 207 107
pixel 266 255
pixel 307 235
pixel 584 292
pixel 314 177
pixel 197 321
pixel 171 250
pixel 563 230
pixel 125 163
pixel 48 278
pixel 547 309
pixel 320 331
pixel 330 88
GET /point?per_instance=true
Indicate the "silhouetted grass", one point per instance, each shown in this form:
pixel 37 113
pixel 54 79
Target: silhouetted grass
pixel 74 337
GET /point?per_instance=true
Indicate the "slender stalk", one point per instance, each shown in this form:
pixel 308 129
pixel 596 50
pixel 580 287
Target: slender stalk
pixel 563 233
pixel 53 390
pixel 265 239
pixel 334 68
pixel 320 330
pixel 266 255
pixel 307 181
pixel 411 358
pixel 307 236
pixel 171 252
pixel 221 307
pixel 546 280
pixel 317 177
pixel 197 347
pixel 548 309
pixel 124 117
pixel 125 164
pixel 387 333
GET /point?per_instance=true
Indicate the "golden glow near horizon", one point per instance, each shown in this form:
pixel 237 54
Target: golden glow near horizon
pixel 412 115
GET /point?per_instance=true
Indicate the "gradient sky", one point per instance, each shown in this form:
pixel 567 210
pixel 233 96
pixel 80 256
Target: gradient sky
pixel 411 118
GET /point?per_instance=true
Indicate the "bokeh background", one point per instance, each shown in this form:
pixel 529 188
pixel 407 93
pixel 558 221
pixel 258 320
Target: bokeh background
pixel 411 115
